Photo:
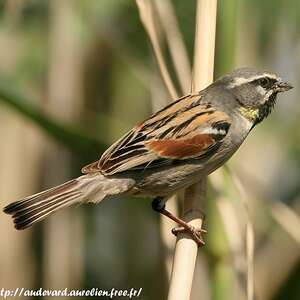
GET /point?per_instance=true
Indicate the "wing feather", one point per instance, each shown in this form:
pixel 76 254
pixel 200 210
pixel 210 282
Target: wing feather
pixel 185 129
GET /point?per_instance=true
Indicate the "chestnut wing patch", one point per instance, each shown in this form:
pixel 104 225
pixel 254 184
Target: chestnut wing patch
pixel 181 148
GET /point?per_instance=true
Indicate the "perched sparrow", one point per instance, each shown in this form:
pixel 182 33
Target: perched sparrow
pixel 171 150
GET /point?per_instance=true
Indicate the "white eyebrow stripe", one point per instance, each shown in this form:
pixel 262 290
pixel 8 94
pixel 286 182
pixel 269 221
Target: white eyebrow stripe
pixel 272 76
pixel 241 80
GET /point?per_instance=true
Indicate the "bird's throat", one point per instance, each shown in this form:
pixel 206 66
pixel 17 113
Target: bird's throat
pixel 250 114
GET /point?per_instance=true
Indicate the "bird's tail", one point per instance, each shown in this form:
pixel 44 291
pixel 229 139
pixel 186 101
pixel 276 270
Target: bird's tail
pixel 35 208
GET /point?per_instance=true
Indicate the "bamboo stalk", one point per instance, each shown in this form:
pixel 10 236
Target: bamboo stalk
pixel 186 248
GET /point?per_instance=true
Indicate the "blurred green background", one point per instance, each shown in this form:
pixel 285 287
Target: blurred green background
pixel 77 74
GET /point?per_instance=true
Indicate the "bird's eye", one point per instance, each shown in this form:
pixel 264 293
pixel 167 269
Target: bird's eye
pixel 265 82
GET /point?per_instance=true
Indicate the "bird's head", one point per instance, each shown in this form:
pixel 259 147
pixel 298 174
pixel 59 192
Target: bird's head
pixel 255 91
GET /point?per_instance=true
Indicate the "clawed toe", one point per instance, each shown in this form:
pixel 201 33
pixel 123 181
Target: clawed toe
pixel 177 230
pixel 196 233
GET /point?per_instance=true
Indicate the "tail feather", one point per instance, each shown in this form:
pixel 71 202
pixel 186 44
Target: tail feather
pixel 87 188
pixel 35 208
pixel 25 220
pixel 37 199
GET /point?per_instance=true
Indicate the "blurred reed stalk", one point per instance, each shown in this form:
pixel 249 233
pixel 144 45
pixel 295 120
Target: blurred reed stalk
pixel 281 241
pixel 63 254
pixel 249 236
pixel 279 249
pixel 19 152
pixel 175 43
pixel 186 248
pixel 152 12
pixel 146 15
pixel 180 59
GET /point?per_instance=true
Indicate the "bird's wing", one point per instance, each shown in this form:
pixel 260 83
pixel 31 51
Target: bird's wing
pixel 184 129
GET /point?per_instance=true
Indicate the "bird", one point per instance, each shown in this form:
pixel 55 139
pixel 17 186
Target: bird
pixel 169 151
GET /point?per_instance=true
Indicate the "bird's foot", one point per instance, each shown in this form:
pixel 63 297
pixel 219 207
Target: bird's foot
pixel 196 233
pixel 158 204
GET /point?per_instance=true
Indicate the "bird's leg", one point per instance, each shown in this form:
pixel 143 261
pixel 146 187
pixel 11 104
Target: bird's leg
pixel 158 205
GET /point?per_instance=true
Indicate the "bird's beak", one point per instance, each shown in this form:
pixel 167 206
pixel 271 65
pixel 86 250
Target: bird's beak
pixel 282 86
